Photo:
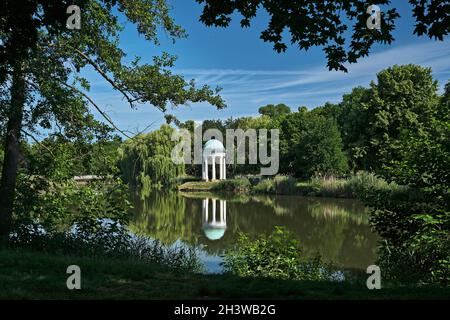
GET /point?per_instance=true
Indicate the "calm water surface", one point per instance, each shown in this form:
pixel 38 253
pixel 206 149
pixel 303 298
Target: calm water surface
pixel 337 229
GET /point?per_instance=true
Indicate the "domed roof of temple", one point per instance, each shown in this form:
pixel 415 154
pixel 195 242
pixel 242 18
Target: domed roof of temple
pixel 213 146
pixel 214 233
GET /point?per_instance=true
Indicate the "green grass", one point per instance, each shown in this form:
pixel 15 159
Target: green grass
pixel 35 275
pixel 197 186
pixel 230 185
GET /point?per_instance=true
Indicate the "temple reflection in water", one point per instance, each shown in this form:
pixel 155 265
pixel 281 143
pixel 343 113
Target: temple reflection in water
pixel 214 223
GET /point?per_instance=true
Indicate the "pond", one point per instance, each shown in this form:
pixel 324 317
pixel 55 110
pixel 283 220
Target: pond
pixel 337 229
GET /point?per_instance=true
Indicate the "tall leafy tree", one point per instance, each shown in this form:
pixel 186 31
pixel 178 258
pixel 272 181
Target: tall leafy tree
pixel 353 124
pixel 415 226
pixel 339 27
pixel 291 128
pixel 319 150
pixel 352 119
pixel 41 63
pixel 310 143
pixel 403 103
pixel 274 111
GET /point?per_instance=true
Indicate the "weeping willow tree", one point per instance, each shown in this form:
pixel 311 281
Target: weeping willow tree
pixel 145 161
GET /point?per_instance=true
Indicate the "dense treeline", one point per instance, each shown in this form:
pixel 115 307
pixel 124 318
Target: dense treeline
pixel 369 130
pixel 57 158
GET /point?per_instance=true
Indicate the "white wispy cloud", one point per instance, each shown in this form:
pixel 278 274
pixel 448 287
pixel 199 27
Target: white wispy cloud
pixel 246 90
pixel 431 54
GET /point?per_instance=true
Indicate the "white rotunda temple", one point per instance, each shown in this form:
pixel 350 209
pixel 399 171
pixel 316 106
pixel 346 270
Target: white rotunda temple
pixel 214 154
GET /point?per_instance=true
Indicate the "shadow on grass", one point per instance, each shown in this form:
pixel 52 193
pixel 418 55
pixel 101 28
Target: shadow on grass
pixel 37 275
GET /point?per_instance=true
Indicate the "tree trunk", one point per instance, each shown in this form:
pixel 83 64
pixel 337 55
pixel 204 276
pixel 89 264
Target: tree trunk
pixel 12 150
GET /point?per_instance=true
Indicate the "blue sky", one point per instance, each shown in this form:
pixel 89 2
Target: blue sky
pixel 252 74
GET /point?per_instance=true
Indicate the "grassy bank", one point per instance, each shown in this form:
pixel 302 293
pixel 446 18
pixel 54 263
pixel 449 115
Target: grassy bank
pixel 349 187
pixel 197 186
pixel 35 275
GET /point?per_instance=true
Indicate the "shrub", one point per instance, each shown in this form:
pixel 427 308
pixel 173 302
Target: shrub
pixel 415 246
pixel 329 187
pixel 277 255
pixel 422 258
pixel 240 185
pixel 414 229
pixel 363 182
pixel 277 185
pixel 285 185
pixel 356 186
pixel 265 186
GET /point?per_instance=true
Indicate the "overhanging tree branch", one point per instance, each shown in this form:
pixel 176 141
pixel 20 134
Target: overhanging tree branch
pixel 37 141
pixel 107 118
pixel 105 76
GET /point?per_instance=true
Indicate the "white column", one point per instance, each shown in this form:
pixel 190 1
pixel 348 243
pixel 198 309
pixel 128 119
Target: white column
pixel 225 211
pixel 214 210
pixel 206 209
pixel 220 168
pixel 213 177
pixel 221 211
pixel 224 168
pixel 206 168
pixel 203 169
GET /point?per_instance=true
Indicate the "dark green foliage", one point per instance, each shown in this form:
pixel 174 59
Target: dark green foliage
pixel 339 27
pixel 59 159
pixel 56 205
pixel 352 119
pixel 291 130
pixel 310 143
pixel 415 245
pixel 402 105
pixel 328 24
pixel 146 160
pixel 319 150
pixel 278 255
pixel 377 123
pixel 274 111
pixel 415 227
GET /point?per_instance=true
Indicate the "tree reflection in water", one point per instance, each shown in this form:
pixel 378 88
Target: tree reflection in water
pixel 337 229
